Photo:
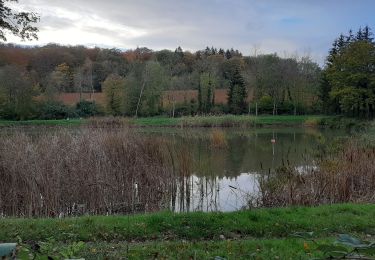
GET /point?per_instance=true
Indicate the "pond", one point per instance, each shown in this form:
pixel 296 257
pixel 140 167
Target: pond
pixel 116 170
pixel 222 165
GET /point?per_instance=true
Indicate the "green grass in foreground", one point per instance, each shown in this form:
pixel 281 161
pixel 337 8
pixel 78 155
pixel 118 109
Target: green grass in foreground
pixel 230 249
pixel 265 232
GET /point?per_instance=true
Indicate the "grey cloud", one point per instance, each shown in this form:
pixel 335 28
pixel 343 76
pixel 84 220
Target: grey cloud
pixel 273 25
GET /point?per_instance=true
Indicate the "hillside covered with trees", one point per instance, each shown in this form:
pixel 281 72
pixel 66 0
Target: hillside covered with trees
pixel 133 81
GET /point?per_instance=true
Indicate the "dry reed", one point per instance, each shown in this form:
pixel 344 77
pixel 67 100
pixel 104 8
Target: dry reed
pixel 218 139
pixel 348 177
pixel 90 171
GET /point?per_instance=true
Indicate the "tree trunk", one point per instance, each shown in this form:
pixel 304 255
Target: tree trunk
pixel 173 108
pixel 139 99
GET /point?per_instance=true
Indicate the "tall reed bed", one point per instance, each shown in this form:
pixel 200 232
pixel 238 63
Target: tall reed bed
pixel 348 176
pixel 92 171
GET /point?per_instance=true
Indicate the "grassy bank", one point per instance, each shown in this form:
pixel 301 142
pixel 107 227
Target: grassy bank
pixel 202 121
pixel 60 122
pixel 228 121
pixel 197 121
pixel 263 232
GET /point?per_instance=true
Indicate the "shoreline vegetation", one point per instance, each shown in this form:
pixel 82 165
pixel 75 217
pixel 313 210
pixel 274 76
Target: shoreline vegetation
pixel 80 180
pixel 260 233
pixel 109 168
pixel 203 121
pixel 290 223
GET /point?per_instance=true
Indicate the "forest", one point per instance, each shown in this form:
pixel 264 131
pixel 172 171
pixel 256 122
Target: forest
pixel 133 81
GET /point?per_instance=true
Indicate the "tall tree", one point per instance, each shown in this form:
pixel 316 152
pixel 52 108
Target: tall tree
pixel 20 24
pixel 349 76
pixel 206 92
pixel 352 77
pixel 237 93
pixel 59 81
pixel 114 87
pixel 17 93
pixel 144 89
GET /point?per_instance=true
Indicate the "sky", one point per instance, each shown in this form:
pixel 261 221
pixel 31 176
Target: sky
pixel 286 27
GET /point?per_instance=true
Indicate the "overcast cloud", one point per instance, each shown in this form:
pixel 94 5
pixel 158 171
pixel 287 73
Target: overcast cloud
pixel 283 26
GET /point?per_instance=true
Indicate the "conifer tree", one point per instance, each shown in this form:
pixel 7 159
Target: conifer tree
pixel 237 93
pixel 367 34
pixel 348 81
pixel 228 54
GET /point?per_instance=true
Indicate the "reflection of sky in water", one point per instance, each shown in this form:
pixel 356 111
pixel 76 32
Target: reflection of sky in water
pixel 235 193
pixel 217 169
pixel 226 194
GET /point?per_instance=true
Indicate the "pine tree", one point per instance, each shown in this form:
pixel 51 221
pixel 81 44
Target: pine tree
pixel 341 43
pixel 342 92
pixel 237 93
pixel 332 52
pixel 367 34
pixel 228 54
pixel 350 38
pixel 179 52
pixel 359 36
pixel 207 51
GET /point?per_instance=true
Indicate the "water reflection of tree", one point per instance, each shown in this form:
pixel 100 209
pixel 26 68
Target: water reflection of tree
pixel 246 153
pixel 237 147
pixel 196 194
pixel 198 187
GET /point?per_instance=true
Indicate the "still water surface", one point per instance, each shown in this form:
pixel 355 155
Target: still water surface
pixel 223 177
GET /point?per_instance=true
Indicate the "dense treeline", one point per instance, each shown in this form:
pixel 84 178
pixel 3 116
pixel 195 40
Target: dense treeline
pixel 348 80
pixel 134 80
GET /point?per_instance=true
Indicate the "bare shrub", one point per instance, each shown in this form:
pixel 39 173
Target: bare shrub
pixel 107 122
pixel 347 177
pixel 94 171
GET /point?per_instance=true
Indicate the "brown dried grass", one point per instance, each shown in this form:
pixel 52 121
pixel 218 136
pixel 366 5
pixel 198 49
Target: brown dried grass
pixel 347 177
pixel 92 171
pixel 218 139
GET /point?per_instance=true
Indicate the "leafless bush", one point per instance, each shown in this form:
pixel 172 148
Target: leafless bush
pixel 94 171
pixel 107 122
pixel 347 177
